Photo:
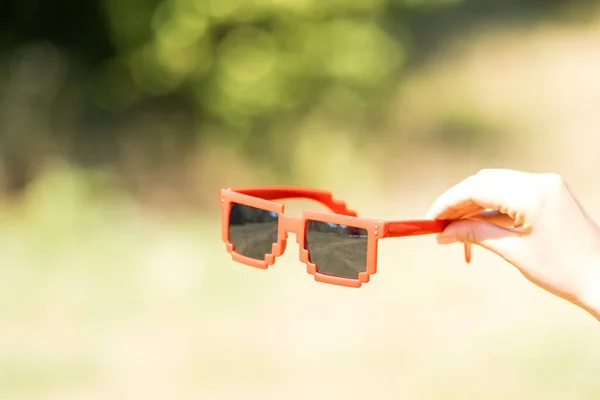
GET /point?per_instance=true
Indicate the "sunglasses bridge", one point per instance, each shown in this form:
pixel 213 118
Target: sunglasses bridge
pixel 291 224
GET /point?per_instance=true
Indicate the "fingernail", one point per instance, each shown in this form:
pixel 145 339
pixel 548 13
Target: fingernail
pixel 446 238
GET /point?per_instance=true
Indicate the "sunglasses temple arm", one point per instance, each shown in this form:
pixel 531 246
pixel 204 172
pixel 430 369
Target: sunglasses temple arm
pixel 414 228
pixel 421 227
pixel 468 252
pixel 290 192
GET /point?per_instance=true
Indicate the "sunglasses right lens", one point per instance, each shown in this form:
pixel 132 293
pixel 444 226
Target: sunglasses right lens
pixel 336 249
pixel 252 231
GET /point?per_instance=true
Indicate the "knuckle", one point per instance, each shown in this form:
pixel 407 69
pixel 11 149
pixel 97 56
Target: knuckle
pixel 552 182
pixel 471 236
pixel 483 172
pixel 479 178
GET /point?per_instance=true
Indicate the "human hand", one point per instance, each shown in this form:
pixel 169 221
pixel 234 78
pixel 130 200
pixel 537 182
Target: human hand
pixel 535 223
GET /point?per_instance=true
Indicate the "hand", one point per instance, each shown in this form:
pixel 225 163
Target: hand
pixel 535 223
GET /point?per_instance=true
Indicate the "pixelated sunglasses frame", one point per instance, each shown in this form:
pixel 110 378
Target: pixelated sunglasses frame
pixel 263 198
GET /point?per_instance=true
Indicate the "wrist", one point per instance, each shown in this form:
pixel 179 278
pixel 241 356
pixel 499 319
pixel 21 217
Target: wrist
pixel 592 304
pixel 590 293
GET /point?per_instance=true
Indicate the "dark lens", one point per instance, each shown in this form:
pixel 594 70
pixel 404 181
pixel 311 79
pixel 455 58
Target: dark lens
pixel 252 231
pixel 336 249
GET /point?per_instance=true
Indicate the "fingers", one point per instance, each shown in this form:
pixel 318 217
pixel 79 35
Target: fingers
pixel 495 217
pixel 508 191
pixel 501 241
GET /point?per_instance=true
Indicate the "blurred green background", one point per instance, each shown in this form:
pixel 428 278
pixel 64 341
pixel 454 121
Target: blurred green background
pixel 120 121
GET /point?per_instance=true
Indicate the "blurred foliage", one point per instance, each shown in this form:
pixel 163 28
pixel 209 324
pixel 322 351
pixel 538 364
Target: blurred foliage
pixel 101 299
pixel 101 295
pixel 148 82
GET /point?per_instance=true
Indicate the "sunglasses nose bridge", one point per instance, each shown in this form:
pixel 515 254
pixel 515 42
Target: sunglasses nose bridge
pixel 291 223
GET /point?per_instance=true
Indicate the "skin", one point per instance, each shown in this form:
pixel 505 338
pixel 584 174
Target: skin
pixel 535 223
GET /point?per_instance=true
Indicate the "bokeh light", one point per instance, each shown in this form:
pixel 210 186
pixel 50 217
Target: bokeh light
pixel 121 120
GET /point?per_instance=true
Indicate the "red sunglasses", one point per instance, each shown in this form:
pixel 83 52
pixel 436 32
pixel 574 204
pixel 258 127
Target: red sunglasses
pixel 337 247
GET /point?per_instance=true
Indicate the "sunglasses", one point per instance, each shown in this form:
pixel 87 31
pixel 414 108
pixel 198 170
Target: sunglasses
pixel 338 247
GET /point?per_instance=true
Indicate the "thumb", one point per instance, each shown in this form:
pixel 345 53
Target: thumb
pixel 501 241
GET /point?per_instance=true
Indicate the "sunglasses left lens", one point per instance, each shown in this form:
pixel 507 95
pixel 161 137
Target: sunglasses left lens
pixel 252 231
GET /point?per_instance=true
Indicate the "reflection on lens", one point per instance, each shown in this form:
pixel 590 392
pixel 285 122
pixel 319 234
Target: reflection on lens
pixel 337 249
pixel 252 231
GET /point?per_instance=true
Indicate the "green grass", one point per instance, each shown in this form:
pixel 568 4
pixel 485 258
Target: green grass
pixel 101 299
